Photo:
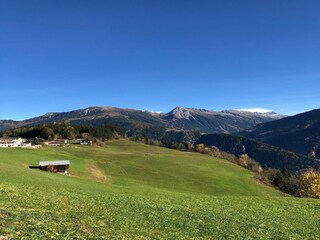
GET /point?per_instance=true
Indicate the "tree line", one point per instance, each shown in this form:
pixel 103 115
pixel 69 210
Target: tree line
pixel 65 131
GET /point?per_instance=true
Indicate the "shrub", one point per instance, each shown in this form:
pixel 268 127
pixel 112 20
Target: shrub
pixel 243 160
pixel 309 184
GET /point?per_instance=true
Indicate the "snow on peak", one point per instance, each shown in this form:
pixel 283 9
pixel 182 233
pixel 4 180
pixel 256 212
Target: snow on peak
pixel 255 110
pixel 150 111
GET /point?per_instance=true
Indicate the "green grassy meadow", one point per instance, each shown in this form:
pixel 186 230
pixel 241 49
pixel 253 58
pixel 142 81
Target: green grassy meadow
pixel 129 190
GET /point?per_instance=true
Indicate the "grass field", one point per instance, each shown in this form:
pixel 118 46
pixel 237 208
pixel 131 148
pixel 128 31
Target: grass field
pixel 135 191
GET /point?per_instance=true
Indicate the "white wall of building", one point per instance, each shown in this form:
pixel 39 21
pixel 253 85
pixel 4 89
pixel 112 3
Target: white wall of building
pixel 11 142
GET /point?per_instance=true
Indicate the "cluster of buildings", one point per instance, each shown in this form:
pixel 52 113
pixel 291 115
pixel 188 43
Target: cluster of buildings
pixel 23 143
pixel 61 142
pixel 14 142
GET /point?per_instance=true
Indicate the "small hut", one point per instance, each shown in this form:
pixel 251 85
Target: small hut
pixel 60 166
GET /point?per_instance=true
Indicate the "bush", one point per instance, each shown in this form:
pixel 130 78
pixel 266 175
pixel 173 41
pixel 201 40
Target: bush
pixel 243 160
pixel 309 184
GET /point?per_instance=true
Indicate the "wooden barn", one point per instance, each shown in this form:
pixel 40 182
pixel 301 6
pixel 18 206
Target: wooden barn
pixel 59 166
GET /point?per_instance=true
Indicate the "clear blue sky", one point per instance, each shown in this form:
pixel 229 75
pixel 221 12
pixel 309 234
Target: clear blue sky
pixel 60 55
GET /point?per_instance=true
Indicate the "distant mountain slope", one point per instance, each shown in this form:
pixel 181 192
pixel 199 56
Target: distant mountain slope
pixel 228 121
pixel 299 133
pixel 263 153
pixel 131 120
pixel 9 124
pixel 124 118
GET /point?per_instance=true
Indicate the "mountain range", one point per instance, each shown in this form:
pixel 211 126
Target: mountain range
pixel 180 118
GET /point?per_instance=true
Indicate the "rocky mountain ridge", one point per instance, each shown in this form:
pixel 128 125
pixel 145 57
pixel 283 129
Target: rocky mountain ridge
pixel 208 121
pixel 180 118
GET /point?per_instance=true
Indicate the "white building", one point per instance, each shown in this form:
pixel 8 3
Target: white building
pixel 11 142
pixel 56 143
